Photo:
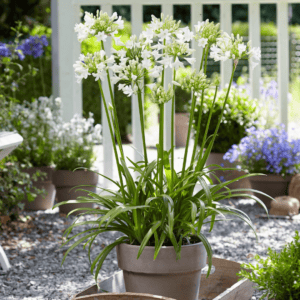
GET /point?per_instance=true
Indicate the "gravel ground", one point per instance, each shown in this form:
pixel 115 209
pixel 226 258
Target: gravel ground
pixel 33 248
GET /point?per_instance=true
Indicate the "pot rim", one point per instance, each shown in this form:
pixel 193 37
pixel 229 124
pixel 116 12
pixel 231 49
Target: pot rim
pixel 166 247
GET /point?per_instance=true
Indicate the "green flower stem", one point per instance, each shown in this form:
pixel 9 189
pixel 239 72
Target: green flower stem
pixel 112 137
pixel 161 145
pixel 208 121
pixel 172 129
pixel 117 131
pixel 141 112
pixel 189 133
pixel 220 118
pixel 42 76
pixel 200 114
pixel 202 59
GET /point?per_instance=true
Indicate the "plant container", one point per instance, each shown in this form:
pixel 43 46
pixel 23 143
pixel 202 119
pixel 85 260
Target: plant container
pixel 217 159
pixel 163 276
pixel 41 202
pixel 222 284
pixel 181 128
pixel 66 181
pixel 272 185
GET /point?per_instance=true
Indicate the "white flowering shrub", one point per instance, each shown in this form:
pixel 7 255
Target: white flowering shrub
pixel 75 141
pixel 37 123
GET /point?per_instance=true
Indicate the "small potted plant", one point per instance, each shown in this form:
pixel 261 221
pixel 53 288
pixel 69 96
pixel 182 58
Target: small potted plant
pixel 279 274
pixel 267 151
pixel 36 122
pixel 160 213
pixel 75 142
pixel 241 112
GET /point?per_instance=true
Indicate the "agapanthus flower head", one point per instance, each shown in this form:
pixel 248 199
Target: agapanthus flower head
pixel 99 26
pixel 267 151
pixel 159 95
pixel 231 47
pixel 196 81
pixel 207 33
pixel 178 49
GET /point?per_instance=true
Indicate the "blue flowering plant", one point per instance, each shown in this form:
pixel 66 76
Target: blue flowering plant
pixel 267 151
pixel 12 72
pixel 161 206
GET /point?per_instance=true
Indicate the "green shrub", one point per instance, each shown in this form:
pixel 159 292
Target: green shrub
pixel 266 29
pixel 279 274
pixel 14 185
pixel 241 112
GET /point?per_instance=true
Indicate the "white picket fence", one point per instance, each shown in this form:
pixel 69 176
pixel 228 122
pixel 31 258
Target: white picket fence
pixel 66 49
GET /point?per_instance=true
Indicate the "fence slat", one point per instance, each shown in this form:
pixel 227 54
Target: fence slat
pixel 196 16
pixel 167 9
pixel 136 25
pixel 225 23
pixel 64 37
pixel 283 60
pixel 254 35
pixel 108 158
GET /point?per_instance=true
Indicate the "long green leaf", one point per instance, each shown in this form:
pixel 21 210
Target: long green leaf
pixel 147 237
pixel 159 245
pixel 101 257
pixel 208 251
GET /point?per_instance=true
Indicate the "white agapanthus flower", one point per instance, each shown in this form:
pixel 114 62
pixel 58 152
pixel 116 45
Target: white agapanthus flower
pixel 99 26
pixel 202 42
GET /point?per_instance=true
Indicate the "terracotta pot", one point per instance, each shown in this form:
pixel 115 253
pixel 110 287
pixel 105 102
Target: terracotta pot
pixel 65 180
pixel 272 184
pixel 217 158
pixel 181 126
pixel 41 202
pixel 181 121
pixel 163 276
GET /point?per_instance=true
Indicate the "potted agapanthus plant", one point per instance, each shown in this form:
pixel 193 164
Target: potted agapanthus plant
pixel 36 122
pixel 161 215
pixel 75 141
pixel 268 151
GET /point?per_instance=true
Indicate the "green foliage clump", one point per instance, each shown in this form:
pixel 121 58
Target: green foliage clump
pixel 279 274
pixel 240 113
pixel 14 186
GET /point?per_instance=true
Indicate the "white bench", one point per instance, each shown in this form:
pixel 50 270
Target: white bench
pixel 8 142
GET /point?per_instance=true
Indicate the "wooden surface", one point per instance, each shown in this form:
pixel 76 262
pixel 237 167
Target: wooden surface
pixel 223 284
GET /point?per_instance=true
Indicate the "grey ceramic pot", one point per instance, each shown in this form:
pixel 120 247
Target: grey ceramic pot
pixel 41 202
pixel 164 276
pixel 66 181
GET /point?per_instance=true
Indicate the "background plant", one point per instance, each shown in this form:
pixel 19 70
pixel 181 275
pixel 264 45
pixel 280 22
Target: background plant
pixel 241 112
pixel 267 151
pixel 37 123
pixel 75 143
pixel 279 274
pixel 15 186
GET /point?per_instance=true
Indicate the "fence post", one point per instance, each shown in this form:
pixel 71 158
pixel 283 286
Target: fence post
pixel 254 37
pixel 136 25
pixel 167 9
pixel 108 158
pixel 226 24
pixel 283 60
pixel 66 50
